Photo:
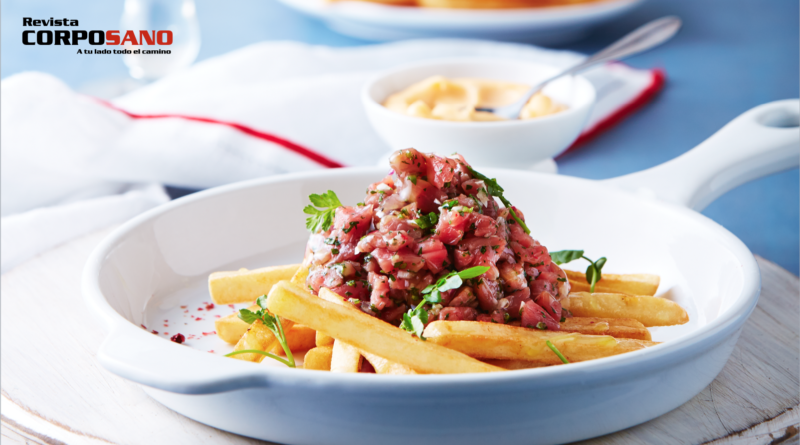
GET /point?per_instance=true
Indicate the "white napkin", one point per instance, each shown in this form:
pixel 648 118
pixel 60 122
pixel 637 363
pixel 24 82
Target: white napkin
pixel 72 164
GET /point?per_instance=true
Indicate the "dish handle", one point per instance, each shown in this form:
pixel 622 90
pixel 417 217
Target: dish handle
pixel 137 355
pixel 762 141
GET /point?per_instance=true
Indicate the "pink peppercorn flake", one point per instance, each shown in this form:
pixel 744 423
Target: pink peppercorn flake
pixel 211 351
pixel 183 307
pixel 199 309
pixel 155 332
pixel 232 306
pixel 166 325
pixel 210 333
pixel 198 319
pixel 218 316
pixel 143 326
pixel 178 338
pixel 209 306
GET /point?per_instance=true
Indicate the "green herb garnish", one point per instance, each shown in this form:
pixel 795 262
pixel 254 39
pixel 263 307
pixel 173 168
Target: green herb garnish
pixel 414 320
pixel 272 323
pixel 565 256
pixel 351 226
pixel 428 221
pixel 453 280
pixel 321 220
pixel 593 272
pixel 450 204
pixel 558 353
pixel 494 189
pixel 478 203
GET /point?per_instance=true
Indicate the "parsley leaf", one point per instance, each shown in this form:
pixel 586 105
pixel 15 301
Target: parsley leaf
pixel 494 189
pixel 565 256
pixel 414 321
pixel 272 323
pixel 473 272
pixel 247 316
pixel 428 221
pixel 450 204
pixel 593 272
pixel 453 280
pixel 321 220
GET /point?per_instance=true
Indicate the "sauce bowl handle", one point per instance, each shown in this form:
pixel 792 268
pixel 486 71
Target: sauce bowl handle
pixel 761 141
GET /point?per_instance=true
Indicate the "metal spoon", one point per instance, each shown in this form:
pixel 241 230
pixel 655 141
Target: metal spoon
pixel 643 38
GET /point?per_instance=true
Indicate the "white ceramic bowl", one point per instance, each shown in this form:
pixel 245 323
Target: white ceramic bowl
pixel 508 144
pixel 542 26
pixel 159 261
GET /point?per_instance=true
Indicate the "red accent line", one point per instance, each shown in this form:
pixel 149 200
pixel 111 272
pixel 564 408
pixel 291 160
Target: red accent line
pixel 289 145
pixel 656 84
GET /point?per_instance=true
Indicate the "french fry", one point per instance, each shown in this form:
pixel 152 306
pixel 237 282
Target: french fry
pixel 383 366
pixel 318 358
pixel 632 284
pixel 368 333
pixel 323 339
pixel 259 337
pixel 497 341
pixel 345 358
pixel 333 297
pixel 515 364
pixel 650 311
pixel 298 338
pixel 615 327
pixel 299 277
pixel 230 328
pixel 244 285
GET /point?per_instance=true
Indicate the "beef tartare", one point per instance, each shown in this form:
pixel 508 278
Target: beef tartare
pixel 430 241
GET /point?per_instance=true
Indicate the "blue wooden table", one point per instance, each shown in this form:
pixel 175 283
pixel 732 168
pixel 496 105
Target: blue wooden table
pixel 730 56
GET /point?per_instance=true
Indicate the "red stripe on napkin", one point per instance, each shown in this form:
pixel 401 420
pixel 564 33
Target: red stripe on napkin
pixel 656 84
pixel 285 143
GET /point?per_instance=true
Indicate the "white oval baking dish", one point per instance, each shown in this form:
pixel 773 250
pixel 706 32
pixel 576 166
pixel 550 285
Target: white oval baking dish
pixel 162 258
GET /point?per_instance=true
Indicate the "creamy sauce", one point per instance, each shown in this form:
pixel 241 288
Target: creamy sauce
pixel 456 99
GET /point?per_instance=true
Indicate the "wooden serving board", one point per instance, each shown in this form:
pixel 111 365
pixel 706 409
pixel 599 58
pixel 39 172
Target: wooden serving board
pixel 54 391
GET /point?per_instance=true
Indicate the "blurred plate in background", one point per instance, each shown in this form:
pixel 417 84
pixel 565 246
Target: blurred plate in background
pixel 546 25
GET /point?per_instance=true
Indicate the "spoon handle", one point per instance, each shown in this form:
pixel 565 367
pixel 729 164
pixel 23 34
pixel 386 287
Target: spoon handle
pixel 645 37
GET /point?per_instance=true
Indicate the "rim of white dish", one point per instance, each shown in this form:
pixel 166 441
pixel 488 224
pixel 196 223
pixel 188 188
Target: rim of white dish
pixel 255 375
pixel 415 16
pixel 372 104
